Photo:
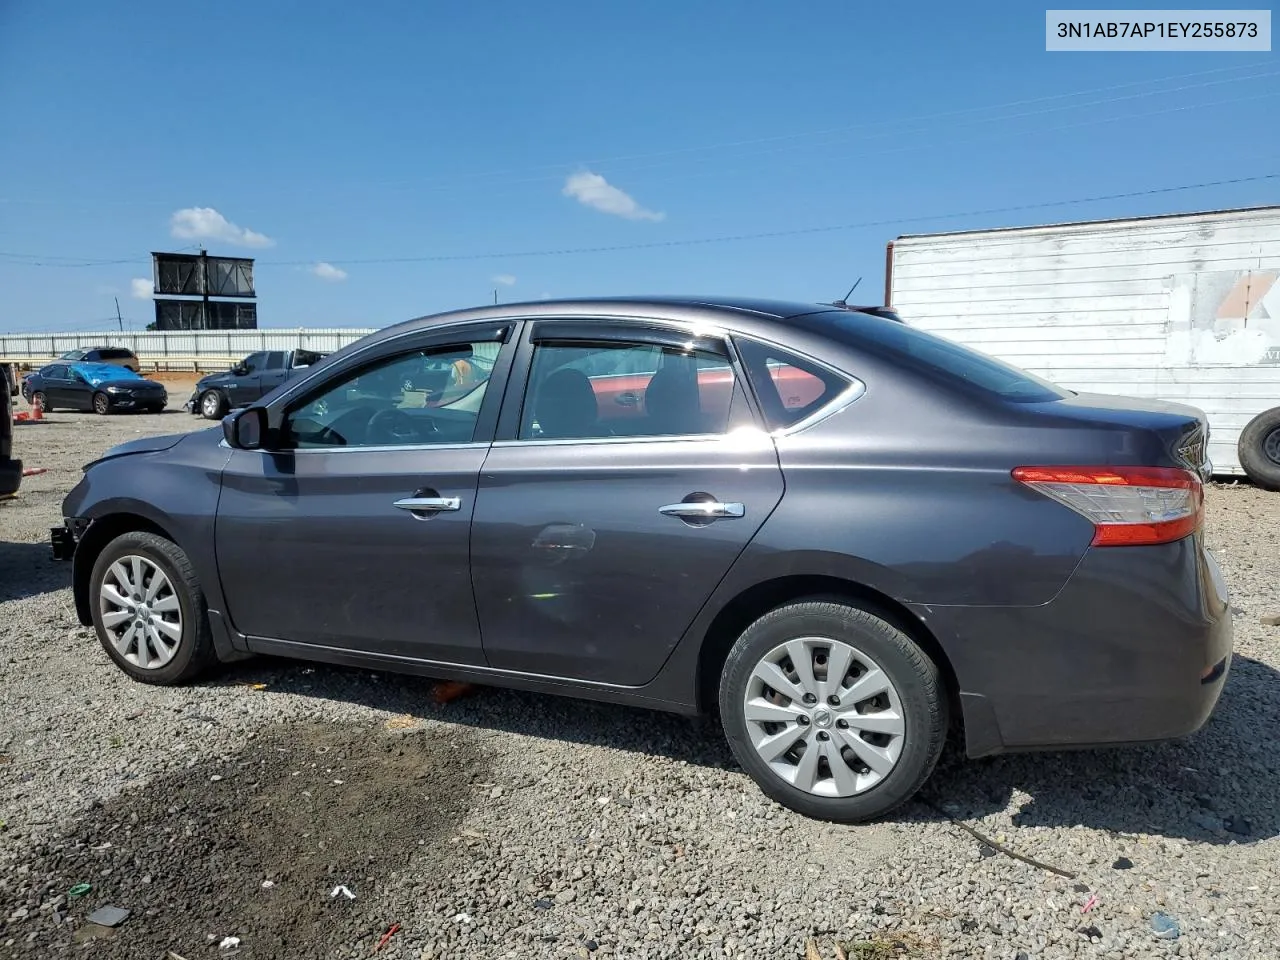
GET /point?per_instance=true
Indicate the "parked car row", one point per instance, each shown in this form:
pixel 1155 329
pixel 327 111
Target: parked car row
pixel 836 531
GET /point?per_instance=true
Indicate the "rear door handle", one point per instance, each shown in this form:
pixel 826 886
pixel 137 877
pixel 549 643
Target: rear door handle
pixel 432 504
pixel 704 510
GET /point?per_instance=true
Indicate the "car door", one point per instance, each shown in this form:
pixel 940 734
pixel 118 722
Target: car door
pixel 273 373
pixel 629 473
pixel 52 382
pixel 63 389
pixel 353 533
pixel 79 391
pixel 247 385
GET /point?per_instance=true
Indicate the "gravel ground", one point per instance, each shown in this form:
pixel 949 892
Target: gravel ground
pixel 515 825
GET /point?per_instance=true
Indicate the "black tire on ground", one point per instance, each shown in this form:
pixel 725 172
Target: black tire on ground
pixel 1259 449
pixel 915 676
pixel 44 401
pixel 212 405
pixel 195 647
pixel 101 404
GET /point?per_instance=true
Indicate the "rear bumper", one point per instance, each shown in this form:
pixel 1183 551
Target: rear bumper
pixel 1135 648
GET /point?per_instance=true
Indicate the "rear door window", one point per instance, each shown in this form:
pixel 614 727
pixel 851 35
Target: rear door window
pixel 596 390
pixel 790 387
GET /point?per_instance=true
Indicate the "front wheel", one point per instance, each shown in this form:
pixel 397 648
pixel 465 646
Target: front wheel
pixel 149 611
pixel 834 712
pixel 39 398
pixel 212 405
pixel 101 404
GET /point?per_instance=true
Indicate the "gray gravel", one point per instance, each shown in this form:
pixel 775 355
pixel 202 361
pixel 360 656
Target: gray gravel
pixel 514 825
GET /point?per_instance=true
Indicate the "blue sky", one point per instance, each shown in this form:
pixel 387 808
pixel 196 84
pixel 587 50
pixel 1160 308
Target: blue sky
pixel 324 137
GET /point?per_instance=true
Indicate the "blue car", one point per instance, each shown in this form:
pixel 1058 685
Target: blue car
pixel 99 387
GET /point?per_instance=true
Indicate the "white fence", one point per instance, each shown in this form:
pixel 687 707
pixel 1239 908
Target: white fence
pixel 175 350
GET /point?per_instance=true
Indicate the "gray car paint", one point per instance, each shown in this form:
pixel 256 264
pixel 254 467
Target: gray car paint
pixel 902 497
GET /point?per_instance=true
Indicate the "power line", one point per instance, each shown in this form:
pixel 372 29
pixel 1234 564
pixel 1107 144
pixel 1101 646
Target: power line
pixel 730 238
pixel 438 184
pixel 853 128
pixel 984 137
pixel 446 182
pixel 892 221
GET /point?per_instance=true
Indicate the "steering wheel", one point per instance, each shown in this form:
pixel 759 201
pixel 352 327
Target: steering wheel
pixel 390 425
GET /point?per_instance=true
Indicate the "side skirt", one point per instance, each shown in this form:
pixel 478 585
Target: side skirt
pixel 484 676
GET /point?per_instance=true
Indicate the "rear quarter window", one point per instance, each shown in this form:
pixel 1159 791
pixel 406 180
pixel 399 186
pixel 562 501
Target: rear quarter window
pixel 115 354
pixel 789 387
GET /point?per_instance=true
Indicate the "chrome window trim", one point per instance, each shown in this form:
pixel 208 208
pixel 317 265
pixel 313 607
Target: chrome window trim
pixel 380 448
pixel 837 403
pixel 600 441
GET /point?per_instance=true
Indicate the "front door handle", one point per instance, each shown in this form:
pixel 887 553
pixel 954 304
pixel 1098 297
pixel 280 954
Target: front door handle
pixel 429 504
pixel 703 510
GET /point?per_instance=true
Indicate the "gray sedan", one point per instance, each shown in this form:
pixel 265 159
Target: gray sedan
pixel 842 535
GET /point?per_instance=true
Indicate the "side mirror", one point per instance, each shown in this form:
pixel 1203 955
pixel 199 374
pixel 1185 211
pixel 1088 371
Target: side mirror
pixel 239 369
pixel 246 429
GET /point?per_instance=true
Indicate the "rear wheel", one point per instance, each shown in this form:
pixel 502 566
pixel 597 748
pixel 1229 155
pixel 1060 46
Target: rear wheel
pixel 43 401
pixel 149 611
pixel 833 711
pixel 1259 449
pixel 101 404
pixel 212 405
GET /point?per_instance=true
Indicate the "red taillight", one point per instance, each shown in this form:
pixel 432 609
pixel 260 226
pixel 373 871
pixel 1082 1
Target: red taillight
pixel 1128 506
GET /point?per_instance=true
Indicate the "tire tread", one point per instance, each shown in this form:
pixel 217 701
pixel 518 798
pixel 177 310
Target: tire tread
pixel 1249 449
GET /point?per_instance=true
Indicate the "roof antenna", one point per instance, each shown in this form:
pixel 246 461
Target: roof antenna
pixel 844 301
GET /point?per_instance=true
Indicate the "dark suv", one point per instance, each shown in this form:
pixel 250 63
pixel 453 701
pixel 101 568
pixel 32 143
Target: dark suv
pixel 839 532
pixel 120 356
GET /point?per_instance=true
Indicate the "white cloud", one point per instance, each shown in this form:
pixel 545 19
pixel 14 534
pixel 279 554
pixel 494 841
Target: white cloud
pixel 206 223
pixel 327 271
pixel 595 191
pixel 141 289
pixel 506 279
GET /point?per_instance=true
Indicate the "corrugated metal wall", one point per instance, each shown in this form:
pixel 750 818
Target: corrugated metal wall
pixel 1180 308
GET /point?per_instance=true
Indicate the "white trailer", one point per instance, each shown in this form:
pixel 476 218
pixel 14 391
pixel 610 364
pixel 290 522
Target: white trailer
pixel 1184 307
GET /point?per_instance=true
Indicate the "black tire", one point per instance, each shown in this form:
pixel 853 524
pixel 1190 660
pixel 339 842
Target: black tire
pixel 101 404
pixel 212 405
pixel 1259 448
pixel 915 676
pixel 44 401
pixel 195 652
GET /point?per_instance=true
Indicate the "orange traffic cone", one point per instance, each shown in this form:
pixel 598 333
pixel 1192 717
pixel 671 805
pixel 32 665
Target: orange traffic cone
pixel 37 408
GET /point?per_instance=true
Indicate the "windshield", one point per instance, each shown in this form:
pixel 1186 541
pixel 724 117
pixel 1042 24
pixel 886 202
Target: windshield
pixel 935 355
